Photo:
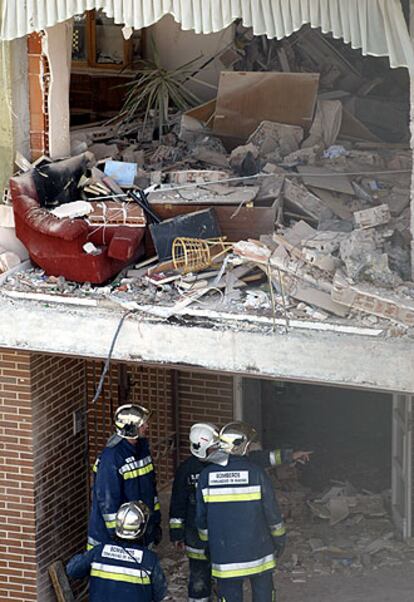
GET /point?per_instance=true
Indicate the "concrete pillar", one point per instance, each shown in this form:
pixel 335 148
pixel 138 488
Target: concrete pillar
pixel 412 140
pixel 57 47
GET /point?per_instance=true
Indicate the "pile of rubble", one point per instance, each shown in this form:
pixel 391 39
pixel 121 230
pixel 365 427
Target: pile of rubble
pixel 311 190
pixel 341 530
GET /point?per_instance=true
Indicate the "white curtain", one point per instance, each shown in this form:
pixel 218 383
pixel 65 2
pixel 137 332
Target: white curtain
pixel 377 27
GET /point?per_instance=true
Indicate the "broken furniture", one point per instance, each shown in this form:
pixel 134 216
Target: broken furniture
pixel 195 254
pixel 57 245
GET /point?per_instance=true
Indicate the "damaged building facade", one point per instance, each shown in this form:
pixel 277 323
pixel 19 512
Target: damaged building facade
pixel 303 325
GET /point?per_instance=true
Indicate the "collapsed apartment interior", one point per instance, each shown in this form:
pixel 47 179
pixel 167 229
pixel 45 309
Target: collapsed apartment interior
pixel 271 194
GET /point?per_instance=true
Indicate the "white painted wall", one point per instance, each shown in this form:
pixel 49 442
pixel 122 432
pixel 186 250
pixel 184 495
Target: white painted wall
pixel 177 47
pixel 20 96
pixel 57 46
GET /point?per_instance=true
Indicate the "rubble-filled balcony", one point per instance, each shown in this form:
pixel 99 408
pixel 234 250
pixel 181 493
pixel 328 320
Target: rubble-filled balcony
pixel 264 232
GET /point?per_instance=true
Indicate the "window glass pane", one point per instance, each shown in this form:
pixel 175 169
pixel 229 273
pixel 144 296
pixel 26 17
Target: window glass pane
pixel 109 41
pixel 79 39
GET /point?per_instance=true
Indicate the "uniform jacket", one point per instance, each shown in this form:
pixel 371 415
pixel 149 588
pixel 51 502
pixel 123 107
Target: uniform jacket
pixel 237 513
pixel 123 473
pixel 120 571
pixel 183 498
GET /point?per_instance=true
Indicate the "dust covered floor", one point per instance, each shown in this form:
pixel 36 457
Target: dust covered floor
pixel 342 571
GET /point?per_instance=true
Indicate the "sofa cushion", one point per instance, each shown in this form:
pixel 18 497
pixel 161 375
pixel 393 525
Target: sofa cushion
pixel 57 183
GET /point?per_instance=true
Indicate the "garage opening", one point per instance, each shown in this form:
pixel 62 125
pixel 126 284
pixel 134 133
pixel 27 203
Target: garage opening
pixel 350 505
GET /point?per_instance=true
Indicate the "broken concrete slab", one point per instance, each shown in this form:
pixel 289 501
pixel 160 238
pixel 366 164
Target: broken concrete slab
pixel 104 151
pixel 303 156
pixel 338 510
pixel 303 200
pixel 196 176
pixel 320 177
pixel 398 200
pixel 325 242
pixel 335 201
pixel 364 259
pixel 308 293
pixel 383 304
pixel 372 217
pixel 214 194
pixel 323 261
pixel 252 250
pixel 276 139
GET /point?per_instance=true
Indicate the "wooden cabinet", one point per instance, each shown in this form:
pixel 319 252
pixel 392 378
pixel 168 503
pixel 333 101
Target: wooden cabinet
pixel 102 60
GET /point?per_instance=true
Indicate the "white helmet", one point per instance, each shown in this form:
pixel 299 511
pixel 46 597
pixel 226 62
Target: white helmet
pixel 235 438
pixel 131 520
pixel 204 439
pixel 128 420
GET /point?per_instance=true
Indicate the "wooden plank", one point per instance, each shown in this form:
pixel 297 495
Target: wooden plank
pixel 60 582
pixel 245 99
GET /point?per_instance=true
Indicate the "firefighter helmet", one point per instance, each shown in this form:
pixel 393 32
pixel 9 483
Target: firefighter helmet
pixel 235 438
pixel 129 418
pixel 131 520
pixel 204 439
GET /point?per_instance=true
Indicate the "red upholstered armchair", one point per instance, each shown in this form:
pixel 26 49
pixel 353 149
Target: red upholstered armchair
pixel 56 245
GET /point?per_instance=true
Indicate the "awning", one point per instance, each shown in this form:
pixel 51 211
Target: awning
pixel 377 27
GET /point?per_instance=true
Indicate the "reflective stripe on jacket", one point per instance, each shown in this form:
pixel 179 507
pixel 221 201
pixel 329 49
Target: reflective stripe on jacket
pixel 237 513
pixel 120 571
pixel 122 473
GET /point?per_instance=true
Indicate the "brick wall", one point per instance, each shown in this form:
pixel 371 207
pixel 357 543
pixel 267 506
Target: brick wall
pixel 60 471
pixel 43 482
pixel 201 396
pixel 39 77
pixel 18 571
pixel 43 495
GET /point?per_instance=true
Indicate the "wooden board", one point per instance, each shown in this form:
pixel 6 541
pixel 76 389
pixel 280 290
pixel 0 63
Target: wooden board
pixel 245 99
pixel 60 582
pixel 236 224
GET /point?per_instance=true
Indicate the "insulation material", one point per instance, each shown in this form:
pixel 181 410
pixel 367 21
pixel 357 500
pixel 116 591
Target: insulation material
pixel 377 27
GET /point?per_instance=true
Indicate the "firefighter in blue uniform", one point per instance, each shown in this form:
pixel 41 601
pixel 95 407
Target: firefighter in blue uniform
pixel 238 515
pixel 124 472
pixel 124 569
pixel 204 442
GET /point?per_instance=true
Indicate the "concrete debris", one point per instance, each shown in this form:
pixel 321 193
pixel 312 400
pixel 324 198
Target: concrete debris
pixel 312 178
pixel 383 304
pixel 364 259
pixel 276 140
pixel 370 218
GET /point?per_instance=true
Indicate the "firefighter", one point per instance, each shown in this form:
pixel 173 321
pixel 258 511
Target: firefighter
pixel 124 472
pixel 124 569
pixel 204 441
pixel 238 515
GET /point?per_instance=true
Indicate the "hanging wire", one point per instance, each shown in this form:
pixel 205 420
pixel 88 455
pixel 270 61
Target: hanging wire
pixel 108 359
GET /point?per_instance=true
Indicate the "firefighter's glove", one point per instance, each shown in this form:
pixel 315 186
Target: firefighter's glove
pixel 279 543
pixel 157 533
